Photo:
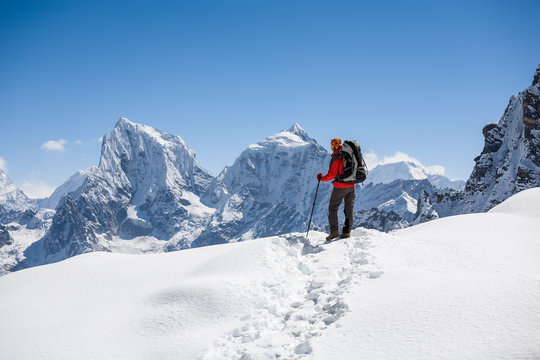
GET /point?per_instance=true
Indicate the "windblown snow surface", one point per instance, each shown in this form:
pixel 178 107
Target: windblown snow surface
pixel 462 287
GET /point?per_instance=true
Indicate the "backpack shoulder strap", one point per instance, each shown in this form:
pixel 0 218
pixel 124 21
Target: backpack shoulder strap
pixel 335 156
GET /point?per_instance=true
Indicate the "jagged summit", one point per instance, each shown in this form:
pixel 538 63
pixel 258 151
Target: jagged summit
pixel 148 183
pixel 509 162
pixel 124 126
pixel 148 159
pixel 6 185
pixel 267 187
pixel 13 202
pixel 293 137
pixel 298 130
pixel 536 79
pixel 122 121
pixel 144 154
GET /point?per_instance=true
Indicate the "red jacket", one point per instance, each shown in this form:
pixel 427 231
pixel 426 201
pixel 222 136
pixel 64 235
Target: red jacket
pixel 335 169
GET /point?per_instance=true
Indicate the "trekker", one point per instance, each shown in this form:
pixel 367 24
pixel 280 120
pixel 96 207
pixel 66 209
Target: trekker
pixel 341 191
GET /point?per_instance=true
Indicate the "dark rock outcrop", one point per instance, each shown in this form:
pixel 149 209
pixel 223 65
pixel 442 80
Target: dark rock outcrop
pixel 379 220
pixel 5 237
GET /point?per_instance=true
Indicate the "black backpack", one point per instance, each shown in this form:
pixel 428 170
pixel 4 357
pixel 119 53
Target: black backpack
pixel 354 166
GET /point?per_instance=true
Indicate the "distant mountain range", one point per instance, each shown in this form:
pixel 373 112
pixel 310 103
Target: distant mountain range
pixel 149 193
pixel 409 170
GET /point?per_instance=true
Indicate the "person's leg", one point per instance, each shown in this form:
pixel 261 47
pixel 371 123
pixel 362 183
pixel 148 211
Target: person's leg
pixel 335 200
pixel 349 210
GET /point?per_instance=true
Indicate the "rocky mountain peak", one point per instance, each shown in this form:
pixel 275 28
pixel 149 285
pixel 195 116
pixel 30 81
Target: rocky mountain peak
pixel 531 108
pixel 123 122
pixel 509 161
pixel 148 183
pixel 142 155
pixel 536 80
pixel 298 130
pixel 6 185
pixel 267 187
pixel 13 202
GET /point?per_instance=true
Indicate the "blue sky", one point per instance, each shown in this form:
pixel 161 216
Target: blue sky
pixel 416 77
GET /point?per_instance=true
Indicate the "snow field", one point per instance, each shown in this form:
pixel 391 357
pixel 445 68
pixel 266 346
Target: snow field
pixel 462 287
pixel 303 299
pixel 262 299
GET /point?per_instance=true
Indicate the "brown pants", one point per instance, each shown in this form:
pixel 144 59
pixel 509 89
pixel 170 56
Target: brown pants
pixel 338 194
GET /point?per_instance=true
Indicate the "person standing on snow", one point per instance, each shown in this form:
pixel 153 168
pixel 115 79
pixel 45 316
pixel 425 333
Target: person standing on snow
pixel 341 191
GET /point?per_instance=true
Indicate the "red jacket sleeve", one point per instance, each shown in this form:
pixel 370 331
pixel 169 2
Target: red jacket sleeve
pixel 334 170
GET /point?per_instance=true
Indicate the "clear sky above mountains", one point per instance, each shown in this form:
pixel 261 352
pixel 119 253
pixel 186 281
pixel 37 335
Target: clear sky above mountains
pixel 417 77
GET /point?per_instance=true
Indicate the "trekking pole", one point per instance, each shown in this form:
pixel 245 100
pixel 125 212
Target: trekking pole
pixel 313 207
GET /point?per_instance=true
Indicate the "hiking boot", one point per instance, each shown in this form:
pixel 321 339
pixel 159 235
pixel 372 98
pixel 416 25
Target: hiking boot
pixel 345 235
pixel 333 235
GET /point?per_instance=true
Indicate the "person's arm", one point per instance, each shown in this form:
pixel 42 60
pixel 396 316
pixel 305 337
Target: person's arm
pixel 334 170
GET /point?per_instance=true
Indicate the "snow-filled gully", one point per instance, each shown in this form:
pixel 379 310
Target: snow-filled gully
pixel 293 313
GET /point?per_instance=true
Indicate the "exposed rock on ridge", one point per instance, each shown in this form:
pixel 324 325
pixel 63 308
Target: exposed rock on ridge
pixel 508 163
pixel 510 160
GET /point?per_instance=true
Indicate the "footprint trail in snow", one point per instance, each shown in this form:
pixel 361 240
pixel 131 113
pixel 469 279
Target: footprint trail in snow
pixel 305 296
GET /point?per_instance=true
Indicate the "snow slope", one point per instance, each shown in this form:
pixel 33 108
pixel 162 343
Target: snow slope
pixel 463 287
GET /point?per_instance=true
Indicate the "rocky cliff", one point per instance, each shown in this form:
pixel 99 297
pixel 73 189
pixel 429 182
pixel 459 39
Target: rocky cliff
pixel 508 163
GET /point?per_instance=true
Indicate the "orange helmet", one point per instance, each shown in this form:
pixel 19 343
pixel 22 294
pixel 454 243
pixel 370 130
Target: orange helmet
pixel 335 144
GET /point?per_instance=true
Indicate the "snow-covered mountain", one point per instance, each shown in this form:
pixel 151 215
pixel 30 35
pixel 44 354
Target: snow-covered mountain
pixel 510 160
pixel 148 184
pixel 410 170
pixel 13 202
pixel 72 185
pixel 463 287
pixel 149 194
pixel 508 163
pixel 399 196
pixel 21 224
pixel 388 199
pixel 269 189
